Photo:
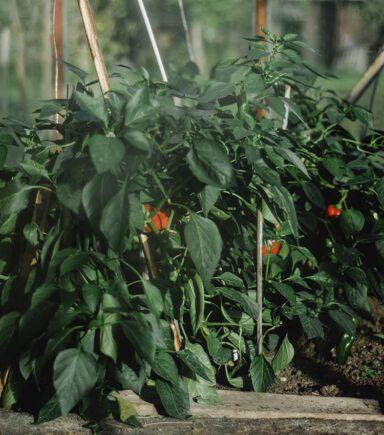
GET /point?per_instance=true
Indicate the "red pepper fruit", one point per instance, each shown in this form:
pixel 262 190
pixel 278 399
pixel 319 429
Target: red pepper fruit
pixel 160 219
pixel 333 211
pixel 273 248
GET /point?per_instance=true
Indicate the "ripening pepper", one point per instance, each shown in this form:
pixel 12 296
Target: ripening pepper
pixel 160 219
pixel 272 248
pixel 333 211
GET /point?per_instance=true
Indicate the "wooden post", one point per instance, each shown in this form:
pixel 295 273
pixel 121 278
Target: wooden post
pixel 93 42
pixel 367 78
pixel 261 18
pixel 261 21
pixel 58 47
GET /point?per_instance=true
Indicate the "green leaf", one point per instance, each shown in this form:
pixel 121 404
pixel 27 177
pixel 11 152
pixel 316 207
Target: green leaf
pixel 254 86
pixel 344 320
pixel 141 336
pixel 128 378
pixel 31 233
pixel 314 194
pixel 154 298
pixel 312 326
pixel 248 305
pixel 8 324
pixel 294 159
pixel 204 244
pixel 352 222
pixel 108 343
pixel 219 354
pixel 127 412
pixel 262 374
pixel 165 367
pixel 174 397
pixel 363 115
pixel 73 261
pixel 106 153
pixel 284 200
pixel 69 194
pixel 208 198
pixel 283 356
pixel 75 70
pixel 231 279
pixel 49 411
pixel 210 164
pixel 114 219
pixel 202 391
pixel 74 375
pixel 380 191
pixel 96 194
pixel 34 169
pixel 195 358
pixel 14 197
pixel 217 90
pixel 95 106
pixel 91 295
pixel 138 140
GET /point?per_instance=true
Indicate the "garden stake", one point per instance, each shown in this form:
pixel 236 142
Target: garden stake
pixel 101 71
pixel 186 31
pixel 367 78
pixel 260 23
pixel 259 279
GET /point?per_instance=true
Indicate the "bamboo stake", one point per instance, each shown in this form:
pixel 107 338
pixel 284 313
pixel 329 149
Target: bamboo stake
pixel 90 30
pixel 261 20
pixel 367 78
pixel 93 42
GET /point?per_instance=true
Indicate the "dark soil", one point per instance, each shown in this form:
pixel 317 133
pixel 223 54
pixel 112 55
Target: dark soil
pixel 318 374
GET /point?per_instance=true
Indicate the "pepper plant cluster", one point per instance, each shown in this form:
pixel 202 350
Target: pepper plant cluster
pixel 188 163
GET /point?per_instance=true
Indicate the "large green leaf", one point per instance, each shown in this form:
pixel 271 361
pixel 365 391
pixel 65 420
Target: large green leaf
pixel 114 219
pixel 95 106
pixel 96 194
pixel 208 198
pixel 138 332
pixel 262 374
pixel 165 367
pixel 217 90
pixel 204 244
pixel 108 343
pixel 154 298
pixel 283 356
pixel 284 200
pixel 129 379
pixel 8 323
pixel 14 197
pixel 312 326
pixel 219 354
pixel 174 397
pixel 106 153
pixel 210 164
pixel 344 320
pixel 74 375
pixel 195 358
pixel 249 306
pixel 314 194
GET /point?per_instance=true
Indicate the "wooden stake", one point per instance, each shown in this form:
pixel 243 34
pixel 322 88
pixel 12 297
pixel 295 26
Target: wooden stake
pixel 93 42
pixel 261 19
pixel 259 279
pixel 367 78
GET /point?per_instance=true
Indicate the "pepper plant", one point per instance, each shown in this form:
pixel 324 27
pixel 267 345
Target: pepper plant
pixel 187 163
